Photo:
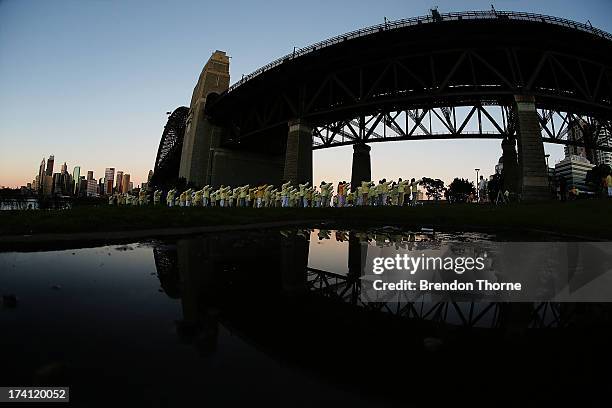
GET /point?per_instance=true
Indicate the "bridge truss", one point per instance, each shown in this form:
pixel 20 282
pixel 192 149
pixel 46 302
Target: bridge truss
pixel 468 314
pixel 481 120
pixel 167 162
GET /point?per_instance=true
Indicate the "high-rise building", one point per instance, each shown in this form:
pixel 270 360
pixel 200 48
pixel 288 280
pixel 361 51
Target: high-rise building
pixel 82 187
pixel 131 187
pixel 90 175
pixel 109 175
pixel 149 177
pixel 47 189
pixel 76 176
pixel 605 140
pixel 57 183
pixel 67 183
pixel 574 169
pixel 41 175
pixel 125 183
pixel 119 185
pixel 49 171
pixel 575 133
pixel 64 168
pixel 92 188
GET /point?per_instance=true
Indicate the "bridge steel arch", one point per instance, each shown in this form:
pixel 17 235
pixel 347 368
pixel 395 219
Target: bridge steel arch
pixel 355 86
pixel 167 161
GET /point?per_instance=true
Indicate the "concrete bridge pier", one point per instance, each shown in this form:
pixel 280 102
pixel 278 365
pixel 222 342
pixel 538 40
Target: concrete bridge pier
pixel 362 168
pixel 509 161
pixel 293 262
pixel 533 177
pixel 357 257
pixel 298 156
pixel 196 268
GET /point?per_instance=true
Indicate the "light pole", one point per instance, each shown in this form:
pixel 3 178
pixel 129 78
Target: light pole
pixel 547 170
pixel 477 189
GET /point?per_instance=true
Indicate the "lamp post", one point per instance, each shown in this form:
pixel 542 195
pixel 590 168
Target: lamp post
pixel 477 189
pixel 547 170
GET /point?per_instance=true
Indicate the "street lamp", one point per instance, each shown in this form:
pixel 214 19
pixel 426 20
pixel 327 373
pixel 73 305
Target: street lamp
pixel 547 170
pixel 477 189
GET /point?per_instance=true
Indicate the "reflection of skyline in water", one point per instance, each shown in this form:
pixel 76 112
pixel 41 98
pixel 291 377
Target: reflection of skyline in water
pixel 253 306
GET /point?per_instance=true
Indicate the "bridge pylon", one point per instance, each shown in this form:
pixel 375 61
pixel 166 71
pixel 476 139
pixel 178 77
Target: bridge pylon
pixel 201 135
pixel 361 169
pixel 298 156
pixel 533 177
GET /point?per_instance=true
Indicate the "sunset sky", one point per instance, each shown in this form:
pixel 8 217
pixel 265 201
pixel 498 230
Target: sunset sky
pixel 90 81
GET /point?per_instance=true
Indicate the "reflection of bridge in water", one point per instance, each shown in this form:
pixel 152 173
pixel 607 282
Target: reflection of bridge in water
pixel 259 286
pixel 218 270
pixel 465 314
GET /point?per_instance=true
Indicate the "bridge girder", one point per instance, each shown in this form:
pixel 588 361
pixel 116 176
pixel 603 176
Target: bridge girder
pixel 479 121
pixel 462 59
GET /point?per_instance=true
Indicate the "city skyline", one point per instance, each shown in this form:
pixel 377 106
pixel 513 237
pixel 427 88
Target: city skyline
pixel 110 89
pixel 65 183
pixel 47 167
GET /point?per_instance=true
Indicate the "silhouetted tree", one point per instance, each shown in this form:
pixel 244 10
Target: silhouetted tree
pixel 459 190
pixel 434 187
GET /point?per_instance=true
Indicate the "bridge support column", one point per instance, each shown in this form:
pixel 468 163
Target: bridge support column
pixel 298 156
pixel 510 165
pixel 362 168
pixel 294 261
pixel 533 178
pixel 357 257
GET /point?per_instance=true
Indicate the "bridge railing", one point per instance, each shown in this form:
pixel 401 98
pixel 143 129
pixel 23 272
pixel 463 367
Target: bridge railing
pixel 407 22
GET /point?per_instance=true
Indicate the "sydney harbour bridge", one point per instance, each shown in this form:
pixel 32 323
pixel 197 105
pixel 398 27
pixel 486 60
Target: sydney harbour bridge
pixel 519 77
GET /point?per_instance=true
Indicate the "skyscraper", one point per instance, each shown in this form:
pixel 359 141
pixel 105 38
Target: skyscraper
pixel 41 175
pixel 597 157
pixel 64 168
pixel 92 187
pixel 603 157
pixel 76 176
pixel 50 161
pixel 82 186
pixel 90 175
pixel 575 135
pixel 125 183
pixel 147 186
pixel 109 175
pixel 119 182
pixel 47 185
pixel 57 184
pixel 574 169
